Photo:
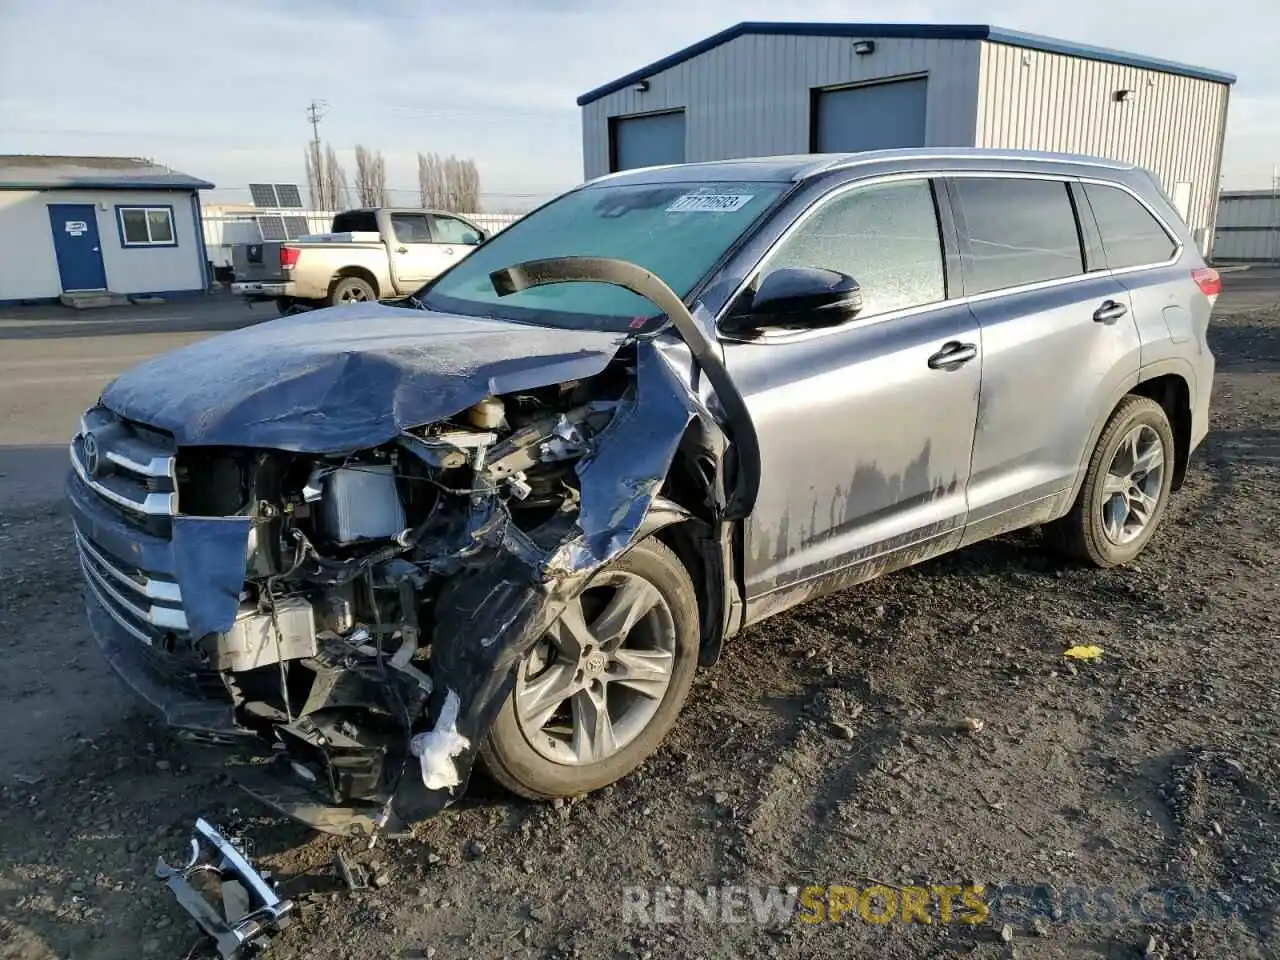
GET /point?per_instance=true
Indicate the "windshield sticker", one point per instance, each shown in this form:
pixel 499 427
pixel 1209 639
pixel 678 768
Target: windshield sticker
pixel 709 203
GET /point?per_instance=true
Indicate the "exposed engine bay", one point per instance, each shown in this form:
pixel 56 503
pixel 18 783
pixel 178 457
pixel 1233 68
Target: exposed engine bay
pixel 330 651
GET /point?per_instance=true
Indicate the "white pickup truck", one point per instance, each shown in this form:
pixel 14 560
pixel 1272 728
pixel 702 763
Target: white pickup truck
pixel 367 255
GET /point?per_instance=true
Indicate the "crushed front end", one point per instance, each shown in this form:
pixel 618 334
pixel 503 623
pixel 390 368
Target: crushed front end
pixel 333 620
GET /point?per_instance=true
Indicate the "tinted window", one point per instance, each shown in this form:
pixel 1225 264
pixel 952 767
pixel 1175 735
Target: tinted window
pixel 1020 231
pixel 1131 236
pixel 411 227
pixel 884 236
pixel 355 221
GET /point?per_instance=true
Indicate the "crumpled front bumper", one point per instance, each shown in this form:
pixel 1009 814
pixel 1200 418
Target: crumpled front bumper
pixel 265 773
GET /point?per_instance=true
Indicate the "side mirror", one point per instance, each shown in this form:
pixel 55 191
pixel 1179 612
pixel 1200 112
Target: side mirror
pixel 802 297
pixel 475 237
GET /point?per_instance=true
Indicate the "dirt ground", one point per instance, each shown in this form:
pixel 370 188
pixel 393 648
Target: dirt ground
pixel 826 748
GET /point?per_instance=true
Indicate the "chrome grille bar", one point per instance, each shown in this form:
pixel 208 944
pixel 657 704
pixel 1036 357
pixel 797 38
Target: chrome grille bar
pixel 163 618
pixel 164 590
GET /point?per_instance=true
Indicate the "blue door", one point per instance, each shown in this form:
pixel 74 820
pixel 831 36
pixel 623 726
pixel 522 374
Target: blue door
pixel 75 241
pixel 876 116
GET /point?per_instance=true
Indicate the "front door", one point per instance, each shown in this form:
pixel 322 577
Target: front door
pixel 414 258
pixel 75 241
pixel 866 428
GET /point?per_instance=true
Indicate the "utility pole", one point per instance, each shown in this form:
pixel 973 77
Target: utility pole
pixel 318 178
pixel 315 113
pixel 1273 214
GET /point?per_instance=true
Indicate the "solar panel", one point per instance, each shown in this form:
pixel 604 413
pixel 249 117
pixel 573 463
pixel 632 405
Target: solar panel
pixel 288 195
pixel 296 227
pixel 272 228
pixel 264 195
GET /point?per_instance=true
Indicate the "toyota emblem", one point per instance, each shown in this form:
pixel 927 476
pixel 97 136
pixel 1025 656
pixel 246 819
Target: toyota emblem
pixel 92 460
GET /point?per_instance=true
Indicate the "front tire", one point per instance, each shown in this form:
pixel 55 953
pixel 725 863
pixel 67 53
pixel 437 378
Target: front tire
pixel 1126 489
pixel 601 691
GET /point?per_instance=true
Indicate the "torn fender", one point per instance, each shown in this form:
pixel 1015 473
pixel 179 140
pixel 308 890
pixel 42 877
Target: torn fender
pixel 489 616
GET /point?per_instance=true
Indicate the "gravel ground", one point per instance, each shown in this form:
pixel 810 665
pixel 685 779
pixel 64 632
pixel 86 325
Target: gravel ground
pixel 828 747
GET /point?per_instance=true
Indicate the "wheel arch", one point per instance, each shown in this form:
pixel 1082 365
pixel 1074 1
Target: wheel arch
pixel 1172 391
pixel 362 273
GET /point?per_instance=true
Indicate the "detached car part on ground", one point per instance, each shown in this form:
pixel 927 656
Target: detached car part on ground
pixel 360 549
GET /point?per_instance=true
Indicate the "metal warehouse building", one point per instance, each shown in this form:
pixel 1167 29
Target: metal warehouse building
pixel 88 226
pixel 779 88
pixel 1248 227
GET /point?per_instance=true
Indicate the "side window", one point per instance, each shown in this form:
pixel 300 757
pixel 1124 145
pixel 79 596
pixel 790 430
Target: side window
pixel 411 227
pixel 1131 236
pixel 885 236
pixel 1019 231
pixel 453 230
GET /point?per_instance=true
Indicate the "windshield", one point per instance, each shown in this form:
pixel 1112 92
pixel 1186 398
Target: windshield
pixel 675 230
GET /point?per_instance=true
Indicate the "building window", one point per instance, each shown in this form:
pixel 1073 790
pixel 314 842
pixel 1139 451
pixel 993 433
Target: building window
pixel 146 226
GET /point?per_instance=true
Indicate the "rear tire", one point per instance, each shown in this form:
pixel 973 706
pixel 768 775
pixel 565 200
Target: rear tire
pixel 563 763
pixel 348 290
pixel 1125 491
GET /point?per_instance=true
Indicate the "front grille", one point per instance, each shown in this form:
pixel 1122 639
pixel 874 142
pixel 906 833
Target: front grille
pixel 128 466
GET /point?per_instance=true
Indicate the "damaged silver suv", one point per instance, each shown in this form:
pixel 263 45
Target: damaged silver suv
pixel 361 548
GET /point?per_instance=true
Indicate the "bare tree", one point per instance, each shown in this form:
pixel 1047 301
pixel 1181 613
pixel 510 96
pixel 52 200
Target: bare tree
pixel 448 183
pixel 431 184
pixel 464 185
pixel 339 192
pixel 371 177
pixel 326 180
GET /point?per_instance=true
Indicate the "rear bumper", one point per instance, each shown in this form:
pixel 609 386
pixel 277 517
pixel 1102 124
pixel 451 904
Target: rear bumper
pixel 264 288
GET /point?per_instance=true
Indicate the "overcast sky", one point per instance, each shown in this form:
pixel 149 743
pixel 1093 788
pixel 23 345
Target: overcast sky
pixel 218 88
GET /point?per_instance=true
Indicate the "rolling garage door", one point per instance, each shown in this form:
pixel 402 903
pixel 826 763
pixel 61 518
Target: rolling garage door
pixel 647 141
pixel 876 116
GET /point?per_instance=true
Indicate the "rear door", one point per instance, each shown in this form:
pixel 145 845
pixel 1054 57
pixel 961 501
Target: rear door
pixel 1060 344
pixel 415 259
pixel 1143 257
pixel 866 428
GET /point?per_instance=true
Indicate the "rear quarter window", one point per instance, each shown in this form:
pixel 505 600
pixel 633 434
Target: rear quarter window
pixel 1131 236
pixel 1018 230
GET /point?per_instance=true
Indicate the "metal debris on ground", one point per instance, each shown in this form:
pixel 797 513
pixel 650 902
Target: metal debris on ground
pixel 251 910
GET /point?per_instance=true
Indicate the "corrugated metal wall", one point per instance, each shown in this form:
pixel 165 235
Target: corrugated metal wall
pixel 751 96
pixel 1248 227
pixel 1172 125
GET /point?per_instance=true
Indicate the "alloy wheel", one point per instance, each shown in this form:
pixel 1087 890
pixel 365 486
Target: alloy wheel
pixel 594 682
pixel 1131 489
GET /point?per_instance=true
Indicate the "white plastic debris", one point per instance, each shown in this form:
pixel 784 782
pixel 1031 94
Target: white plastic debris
pixel 437 748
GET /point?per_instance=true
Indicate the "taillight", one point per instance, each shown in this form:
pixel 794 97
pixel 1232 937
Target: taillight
pixel 1208 280
pixel 289 258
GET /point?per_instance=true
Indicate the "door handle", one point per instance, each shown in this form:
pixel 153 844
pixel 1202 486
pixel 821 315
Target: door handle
pixel 402 249
pixel 952 355
pixel 448 251
pixel 1109 312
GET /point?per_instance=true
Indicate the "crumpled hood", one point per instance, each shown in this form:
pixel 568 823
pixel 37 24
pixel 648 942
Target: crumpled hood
pixel 346 378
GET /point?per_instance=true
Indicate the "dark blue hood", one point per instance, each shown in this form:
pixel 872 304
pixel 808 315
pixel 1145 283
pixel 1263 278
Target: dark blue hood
pixel 346 378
